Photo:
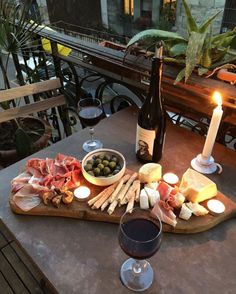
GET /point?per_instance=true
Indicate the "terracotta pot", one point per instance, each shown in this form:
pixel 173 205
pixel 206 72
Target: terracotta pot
pixel 8 157
pixel 225 75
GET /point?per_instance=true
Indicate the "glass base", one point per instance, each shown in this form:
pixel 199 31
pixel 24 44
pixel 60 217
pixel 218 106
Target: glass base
pixel 91 145
pixel 139 280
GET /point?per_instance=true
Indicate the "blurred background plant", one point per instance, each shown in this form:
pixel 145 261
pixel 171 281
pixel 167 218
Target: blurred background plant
pixel 200 50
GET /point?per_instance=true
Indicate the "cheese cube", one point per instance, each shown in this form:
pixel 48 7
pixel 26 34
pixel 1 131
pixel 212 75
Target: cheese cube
pixel 143 200
pixel 150 172
pixel 152 185
pixel 185 212
pixel 196 187
pixel 153 196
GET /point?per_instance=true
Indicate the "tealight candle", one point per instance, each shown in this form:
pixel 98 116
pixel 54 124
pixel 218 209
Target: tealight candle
pixel 171 178
pixel 216 206
pixel 81 193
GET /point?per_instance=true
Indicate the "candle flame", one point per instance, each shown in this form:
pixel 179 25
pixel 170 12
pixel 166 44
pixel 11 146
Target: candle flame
pixel 217 97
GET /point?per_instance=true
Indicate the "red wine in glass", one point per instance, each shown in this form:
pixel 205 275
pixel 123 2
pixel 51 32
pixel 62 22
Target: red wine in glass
pixel 90 113
pixel 140 238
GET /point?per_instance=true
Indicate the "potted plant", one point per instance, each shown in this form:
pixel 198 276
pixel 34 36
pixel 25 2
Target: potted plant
pixel 19 137
pixel 200 51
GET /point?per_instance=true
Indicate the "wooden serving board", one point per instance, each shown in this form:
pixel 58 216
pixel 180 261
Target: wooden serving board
pixel 81 210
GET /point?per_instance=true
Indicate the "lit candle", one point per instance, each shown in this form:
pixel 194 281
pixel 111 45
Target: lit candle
pixel 171 178
pixel 81 193
pixel 214 126
pixel 216 206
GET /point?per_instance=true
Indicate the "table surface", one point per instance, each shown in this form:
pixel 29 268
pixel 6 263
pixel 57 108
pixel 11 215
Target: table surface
pixel 85 257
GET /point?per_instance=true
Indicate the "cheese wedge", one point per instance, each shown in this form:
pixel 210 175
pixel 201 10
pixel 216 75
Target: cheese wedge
pixel 197 209
pixel 143 200
pixel 196 187
pixel 150 172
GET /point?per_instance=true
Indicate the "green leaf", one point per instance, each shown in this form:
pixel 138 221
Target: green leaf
pixel 178 49
pixel 202 71
pixel 180 76
pixel 23 142
pixel 191 24
pixel 153 35
pixel 193 52
pixel 220 37
pixel 204 26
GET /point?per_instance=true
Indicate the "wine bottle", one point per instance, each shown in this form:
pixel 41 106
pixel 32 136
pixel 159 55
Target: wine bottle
pixel 151 125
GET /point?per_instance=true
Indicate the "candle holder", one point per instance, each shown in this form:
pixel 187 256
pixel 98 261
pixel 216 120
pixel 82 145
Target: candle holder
pixel 205 165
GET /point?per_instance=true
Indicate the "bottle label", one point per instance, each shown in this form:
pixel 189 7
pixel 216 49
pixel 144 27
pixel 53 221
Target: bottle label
pixel 144 143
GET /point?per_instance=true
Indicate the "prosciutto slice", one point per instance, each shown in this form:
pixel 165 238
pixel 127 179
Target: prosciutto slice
pixel 164 213
pixel 164 190
pixel 44 175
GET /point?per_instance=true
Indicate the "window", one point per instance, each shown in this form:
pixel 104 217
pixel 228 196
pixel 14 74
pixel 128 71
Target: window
pixel 129 7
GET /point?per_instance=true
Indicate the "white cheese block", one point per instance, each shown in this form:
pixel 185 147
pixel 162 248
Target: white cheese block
pixel 143 200
pixel 153 196
pixel 152 185
pixel 185 212
pixel 196 187
pixel 179 199
pixel 197 209
pixel 150 172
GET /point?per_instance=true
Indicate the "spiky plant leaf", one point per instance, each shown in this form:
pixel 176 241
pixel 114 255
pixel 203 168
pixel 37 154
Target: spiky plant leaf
pixel 204 26
pixel 215 39
pixel 193 52
pixel 191 24
pixel 178 49
pixel 153 36
pixel 180 76
pixel 202 70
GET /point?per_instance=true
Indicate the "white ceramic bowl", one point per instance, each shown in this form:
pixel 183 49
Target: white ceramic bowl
pixel 104 181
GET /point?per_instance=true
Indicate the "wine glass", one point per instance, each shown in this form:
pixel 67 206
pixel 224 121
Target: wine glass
pixel 90 112
pixel 139 237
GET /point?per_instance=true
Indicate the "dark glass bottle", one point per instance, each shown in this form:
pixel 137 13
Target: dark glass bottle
pixel 151 125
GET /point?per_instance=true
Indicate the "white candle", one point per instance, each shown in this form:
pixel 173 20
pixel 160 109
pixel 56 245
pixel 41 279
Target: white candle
pixel 81 193
pixel 216 206
pixel 171 178
pixel 214 126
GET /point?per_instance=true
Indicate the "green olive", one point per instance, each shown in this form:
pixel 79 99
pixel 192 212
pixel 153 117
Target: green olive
pixel 97 161
pixel 116 171
pixel 101 156
pixel 107 157
pixel 112 165
pixel 105 162
pixel 90 161
pixel 106 171
pixel 97 171
pixel 114 158
pixel 91 173
pixel 110 175
pixel 88 167
pixel 101 166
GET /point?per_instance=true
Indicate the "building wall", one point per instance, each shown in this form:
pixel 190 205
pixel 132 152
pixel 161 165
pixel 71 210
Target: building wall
pixel 199 9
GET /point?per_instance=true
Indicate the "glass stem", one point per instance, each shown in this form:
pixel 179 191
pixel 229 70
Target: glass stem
pixel 138 266
pixel 91 132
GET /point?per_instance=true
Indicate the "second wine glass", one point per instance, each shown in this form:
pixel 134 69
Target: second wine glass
pixel 90 113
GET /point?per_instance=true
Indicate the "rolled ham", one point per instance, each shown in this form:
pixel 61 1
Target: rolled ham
pixel 164 213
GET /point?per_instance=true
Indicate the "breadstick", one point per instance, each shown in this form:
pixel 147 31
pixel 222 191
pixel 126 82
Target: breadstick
pixel 112 207
pixel 130 204
pixel 118 188
pixel 107 193
pixel 137 194
pixel 94 199
pixel 130 192
pixel 126 187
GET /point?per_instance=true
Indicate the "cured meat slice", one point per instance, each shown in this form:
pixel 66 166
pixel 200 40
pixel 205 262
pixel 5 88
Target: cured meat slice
pixel 166 215
pixel 19 181
pixel 27 197
pixel 164 189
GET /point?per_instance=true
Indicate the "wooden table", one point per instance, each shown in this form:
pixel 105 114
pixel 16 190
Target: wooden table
pixel 84 257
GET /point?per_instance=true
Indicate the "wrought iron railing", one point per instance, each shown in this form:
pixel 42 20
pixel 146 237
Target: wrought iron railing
pixel 108 68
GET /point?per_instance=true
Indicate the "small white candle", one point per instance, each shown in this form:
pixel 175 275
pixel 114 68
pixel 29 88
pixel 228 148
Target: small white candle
pixel 82 193
pixel 214 126
pixel 216 206
pixel 171 178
